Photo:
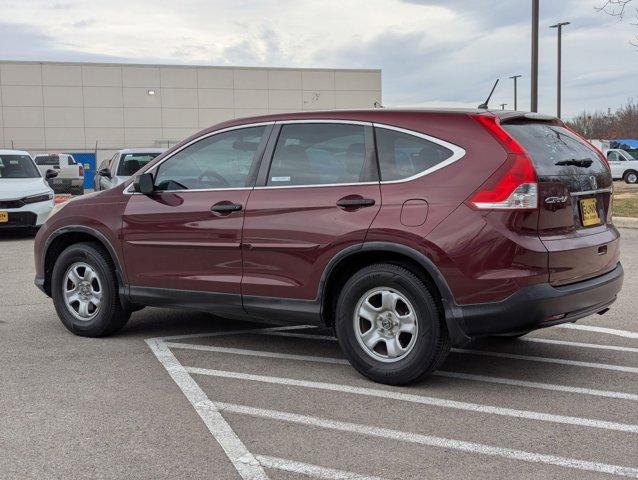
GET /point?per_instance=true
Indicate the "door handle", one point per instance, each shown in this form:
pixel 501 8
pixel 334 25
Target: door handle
pixel 355 202
pixel 226 207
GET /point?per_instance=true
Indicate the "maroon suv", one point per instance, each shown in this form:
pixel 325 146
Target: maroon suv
pixel 406 231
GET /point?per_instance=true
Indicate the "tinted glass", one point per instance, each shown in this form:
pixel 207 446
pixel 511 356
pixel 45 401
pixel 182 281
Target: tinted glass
pixel 219 161
pixel 318 154
pixel 614 157
pixel 130 163
pixel 17 166
pixel 402 155
pixel 550 144
pixel 47 159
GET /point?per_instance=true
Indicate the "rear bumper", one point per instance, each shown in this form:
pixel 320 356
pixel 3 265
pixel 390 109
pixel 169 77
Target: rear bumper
pixel 540 305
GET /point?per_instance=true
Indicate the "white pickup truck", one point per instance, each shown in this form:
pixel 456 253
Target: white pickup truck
pixel 70 177
pixel 623 165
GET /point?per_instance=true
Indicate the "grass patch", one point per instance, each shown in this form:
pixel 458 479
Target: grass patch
pixel 626 204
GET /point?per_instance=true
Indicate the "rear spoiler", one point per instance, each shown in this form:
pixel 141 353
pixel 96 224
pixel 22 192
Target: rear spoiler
pixel 533 116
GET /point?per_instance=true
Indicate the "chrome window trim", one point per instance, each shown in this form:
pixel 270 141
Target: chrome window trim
pixel 324 120
pixel 591 192
pixel 457 152
pixel 128 189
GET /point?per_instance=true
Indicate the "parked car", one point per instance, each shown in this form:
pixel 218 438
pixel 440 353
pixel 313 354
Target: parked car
pixel 70 178
pixel 25 197
pixel 623 165
pixel 406 231
pixel 121 166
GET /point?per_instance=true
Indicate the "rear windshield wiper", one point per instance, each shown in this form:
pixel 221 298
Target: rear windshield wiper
pixel 582 162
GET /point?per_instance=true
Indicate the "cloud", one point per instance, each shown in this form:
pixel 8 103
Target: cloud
pixel 432 52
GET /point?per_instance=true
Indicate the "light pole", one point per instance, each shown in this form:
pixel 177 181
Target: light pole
pixel 559 29
pixel 515 77
pixel 503 105
pixel 534 80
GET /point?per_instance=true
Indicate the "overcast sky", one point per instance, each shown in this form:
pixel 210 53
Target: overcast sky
pixel 432 52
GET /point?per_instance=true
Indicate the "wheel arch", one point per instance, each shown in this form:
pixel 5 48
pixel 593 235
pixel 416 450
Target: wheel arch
pixel 354 258
pixel 70 235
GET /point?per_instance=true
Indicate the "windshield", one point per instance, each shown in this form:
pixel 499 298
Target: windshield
pixel 130 163
pixel 554 149
pixel 17 166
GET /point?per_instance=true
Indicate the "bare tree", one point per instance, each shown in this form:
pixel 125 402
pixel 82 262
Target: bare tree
pixel 623 123
pixel 618 9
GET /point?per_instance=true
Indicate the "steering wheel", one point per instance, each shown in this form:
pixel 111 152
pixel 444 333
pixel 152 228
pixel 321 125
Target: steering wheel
pixel 213 175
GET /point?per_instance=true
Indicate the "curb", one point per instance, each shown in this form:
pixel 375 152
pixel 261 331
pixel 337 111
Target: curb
pixel 625 222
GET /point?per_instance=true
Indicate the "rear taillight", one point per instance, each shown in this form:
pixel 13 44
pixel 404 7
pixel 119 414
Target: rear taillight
pixel 81 169
pixel 514 185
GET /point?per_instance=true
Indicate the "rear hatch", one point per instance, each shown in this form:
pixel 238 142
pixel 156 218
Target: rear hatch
pixel 574 191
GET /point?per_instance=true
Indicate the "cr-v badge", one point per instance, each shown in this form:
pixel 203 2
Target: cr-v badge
pixel 553 200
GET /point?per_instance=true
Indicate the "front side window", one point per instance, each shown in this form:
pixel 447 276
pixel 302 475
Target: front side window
pixel 318 154
pixel 402 155
pixel 219 161
pixel 17 166
pixel 614 157
pixel 130 163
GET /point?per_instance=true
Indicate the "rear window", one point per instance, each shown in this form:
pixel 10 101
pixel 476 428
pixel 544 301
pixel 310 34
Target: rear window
pixel 47 159
pixel 550 145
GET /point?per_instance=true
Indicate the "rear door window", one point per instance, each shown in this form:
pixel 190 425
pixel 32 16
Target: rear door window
pixel 402 155
pixel 319 154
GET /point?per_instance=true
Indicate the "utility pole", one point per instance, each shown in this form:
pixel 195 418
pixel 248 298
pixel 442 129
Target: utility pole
pixel 559 30
pixel 535 17
pixel 503 105
pixel 515 77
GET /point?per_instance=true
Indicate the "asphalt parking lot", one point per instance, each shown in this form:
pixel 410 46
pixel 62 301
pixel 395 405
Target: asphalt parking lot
pixel 187 395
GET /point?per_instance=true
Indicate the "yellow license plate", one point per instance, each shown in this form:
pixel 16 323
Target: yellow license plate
pixel 589 212
pixel 4 217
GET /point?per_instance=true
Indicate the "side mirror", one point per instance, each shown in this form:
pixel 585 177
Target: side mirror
pixel 49 174
pixel 104 172
pixel 144 184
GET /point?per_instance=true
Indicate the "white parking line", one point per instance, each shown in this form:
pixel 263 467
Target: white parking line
pixel 310 470
pixel 579 344
pixel 591 328
pixel 561 361
pixel 541 386
pixel 428 440
pixel 420 399
pixel 440 373
pixel 243 461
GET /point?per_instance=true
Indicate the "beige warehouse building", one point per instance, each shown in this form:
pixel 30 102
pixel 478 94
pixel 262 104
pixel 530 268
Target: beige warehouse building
pixel 50 106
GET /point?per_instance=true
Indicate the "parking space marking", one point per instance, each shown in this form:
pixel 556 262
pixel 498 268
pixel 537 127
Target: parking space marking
pixel 591 328
pixel 243 461
pixel 310 470
pixel 538 385
pixel 440 373
pixel 421 399
pixel 428 440
pixel 561 361
pixel 579 344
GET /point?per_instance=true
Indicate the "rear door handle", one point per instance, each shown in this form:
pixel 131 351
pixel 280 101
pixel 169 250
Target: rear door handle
pixel 355 202
pixel 226 207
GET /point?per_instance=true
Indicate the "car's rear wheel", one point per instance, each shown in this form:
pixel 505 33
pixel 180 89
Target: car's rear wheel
pixel 85 293
pixel 390 326
pixel 631 177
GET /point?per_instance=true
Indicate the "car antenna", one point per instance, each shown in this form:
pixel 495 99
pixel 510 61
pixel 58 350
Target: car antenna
pixel 483 106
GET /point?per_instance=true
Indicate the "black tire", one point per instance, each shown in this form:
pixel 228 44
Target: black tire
pixel 432 343
pixel 630 177
pixel 111 316
pixel 78 191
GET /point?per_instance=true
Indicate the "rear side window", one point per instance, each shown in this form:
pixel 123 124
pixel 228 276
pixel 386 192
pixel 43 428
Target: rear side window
pixel 550 146
pixel 318 154
pixel 402 155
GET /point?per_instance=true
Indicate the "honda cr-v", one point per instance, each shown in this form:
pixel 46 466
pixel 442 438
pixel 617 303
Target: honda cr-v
pixel 408 232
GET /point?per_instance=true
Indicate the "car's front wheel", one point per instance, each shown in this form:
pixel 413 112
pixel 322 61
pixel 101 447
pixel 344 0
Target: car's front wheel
pixel 390 326
pixel 631 177
pixel 85 293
